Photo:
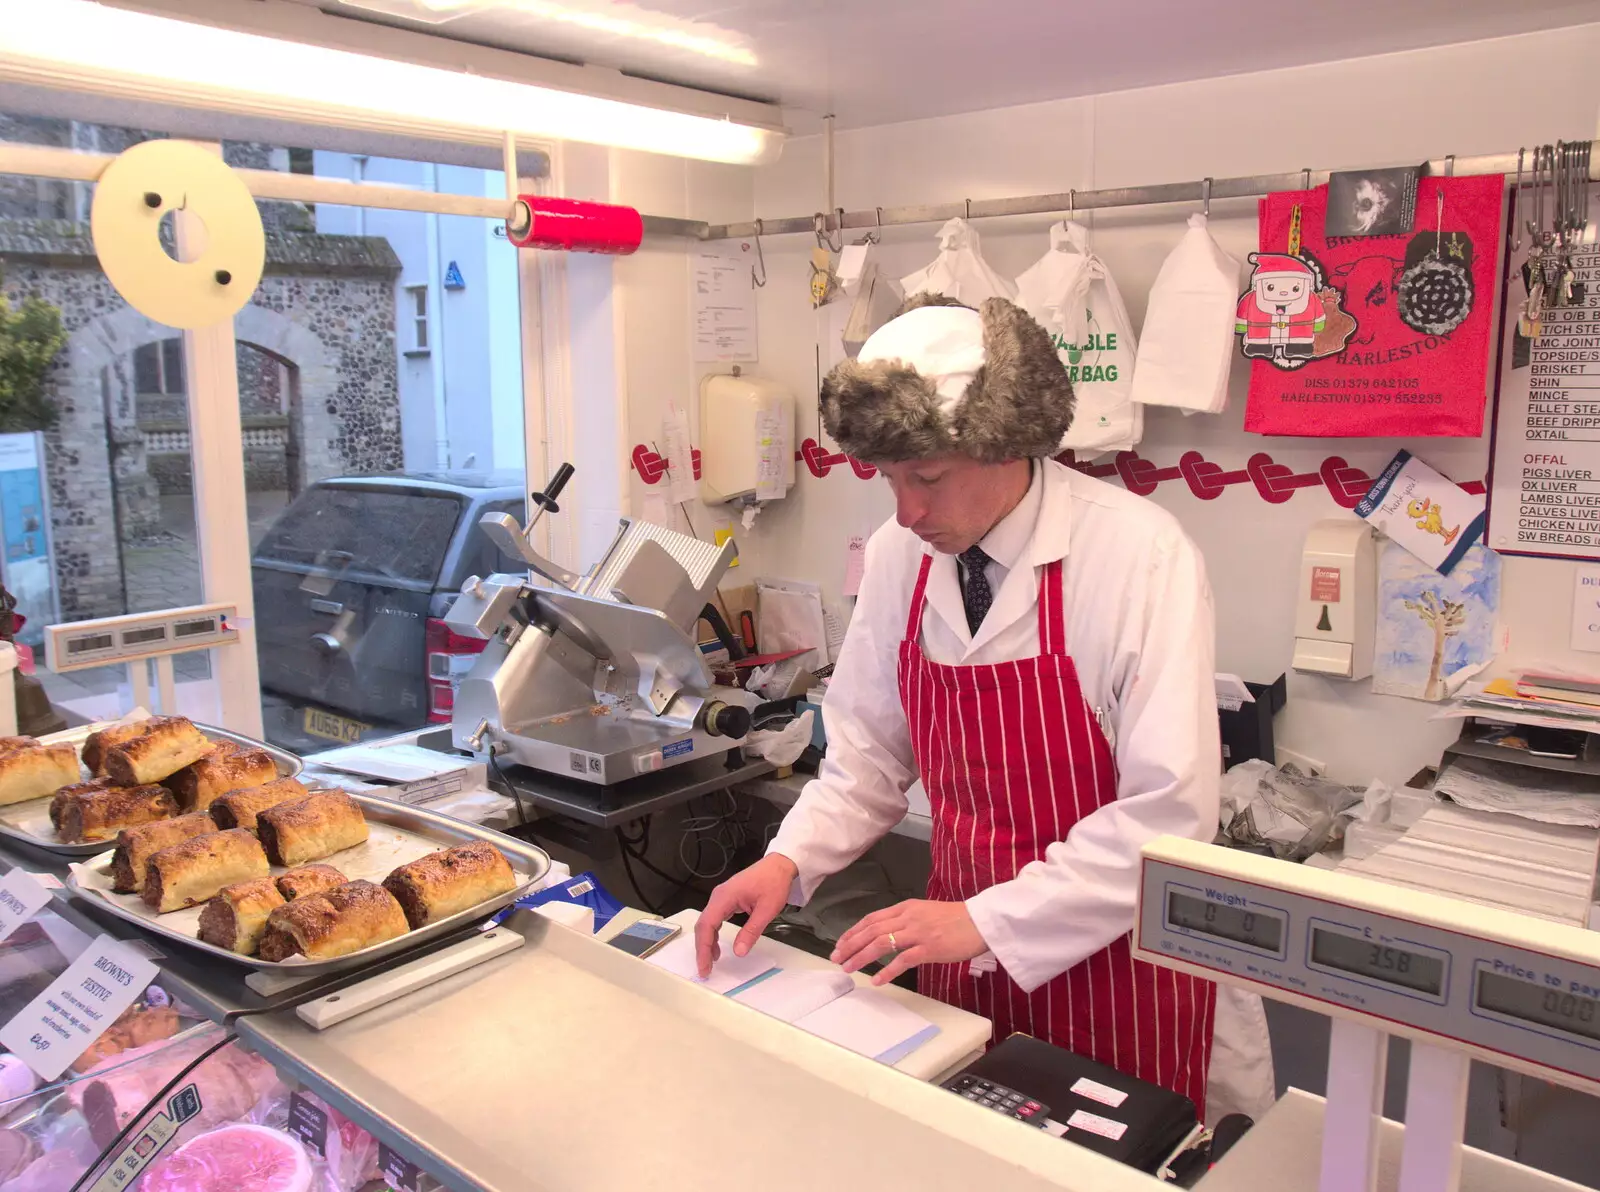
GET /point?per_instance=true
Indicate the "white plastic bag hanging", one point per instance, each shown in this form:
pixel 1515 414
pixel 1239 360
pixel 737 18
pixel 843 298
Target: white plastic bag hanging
pixel 1073 296
pixel 1187 348
pixel 959 271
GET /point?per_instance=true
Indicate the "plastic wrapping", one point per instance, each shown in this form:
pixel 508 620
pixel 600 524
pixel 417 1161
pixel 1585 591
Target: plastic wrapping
pixel 1284 811
pixel 573 225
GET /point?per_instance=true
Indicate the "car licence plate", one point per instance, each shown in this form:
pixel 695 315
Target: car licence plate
pixel 334 728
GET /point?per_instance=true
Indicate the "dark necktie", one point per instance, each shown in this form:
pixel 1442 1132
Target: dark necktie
pixel 975 594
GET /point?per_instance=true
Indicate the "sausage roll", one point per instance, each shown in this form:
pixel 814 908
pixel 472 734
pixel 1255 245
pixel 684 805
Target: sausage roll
pixel 136 845
pixel 449 881
pixel 189 873
pixel 59 800
pixel 100 815
pixel 354 916
pixel 226 768
pixel 95 746
pixel 236 918
pixel 238 809
pixel 159 753
pixel 36 771
pixel 311 879
pixel 12 744
pixel 311 828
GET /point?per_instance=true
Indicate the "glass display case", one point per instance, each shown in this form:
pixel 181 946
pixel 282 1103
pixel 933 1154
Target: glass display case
pixel 165 1100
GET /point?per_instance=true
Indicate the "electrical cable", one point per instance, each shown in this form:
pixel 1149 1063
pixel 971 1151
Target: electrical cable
pixel 122 1135
pixel 522 812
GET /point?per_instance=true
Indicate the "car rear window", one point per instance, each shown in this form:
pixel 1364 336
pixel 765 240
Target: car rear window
pixel 397 535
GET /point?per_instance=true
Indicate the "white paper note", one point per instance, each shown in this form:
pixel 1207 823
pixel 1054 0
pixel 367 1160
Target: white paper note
pixel 57 1026
pixel 656 510
pixel 679 453
pixel 1095 1124
pixel 852 260
pixel 1586 608
pixel 724 300
pixel 728 973
pixel 1096 1091
pixel 855 564
pixel 21 897
pixel 773 446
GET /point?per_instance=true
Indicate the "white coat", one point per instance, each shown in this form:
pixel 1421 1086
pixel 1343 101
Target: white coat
pixel 1140 629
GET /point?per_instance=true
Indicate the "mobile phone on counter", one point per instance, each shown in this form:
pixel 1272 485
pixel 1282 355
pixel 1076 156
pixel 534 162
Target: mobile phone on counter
pixel 644 937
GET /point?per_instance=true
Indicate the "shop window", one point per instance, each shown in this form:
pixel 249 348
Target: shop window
pixel 106 530
pixel 403 427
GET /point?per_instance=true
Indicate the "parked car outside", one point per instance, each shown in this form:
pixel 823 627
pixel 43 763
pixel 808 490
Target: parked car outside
pixel 352 584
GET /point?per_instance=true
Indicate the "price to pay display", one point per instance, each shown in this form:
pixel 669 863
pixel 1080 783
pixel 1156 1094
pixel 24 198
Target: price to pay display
pixel 1539 1004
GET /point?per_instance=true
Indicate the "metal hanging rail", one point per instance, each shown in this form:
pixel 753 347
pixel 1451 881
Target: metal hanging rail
pixel 1250 186
pixel 39 161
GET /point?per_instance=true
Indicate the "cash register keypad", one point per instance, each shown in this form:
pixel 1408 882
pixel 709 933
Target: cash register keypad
pixel 1000 1099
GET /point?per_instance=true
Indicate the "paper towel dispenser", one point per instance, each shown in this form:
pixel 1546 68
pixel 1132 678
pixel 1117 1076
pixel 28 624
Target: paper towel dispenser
pixel 747 439
pixel 1338 595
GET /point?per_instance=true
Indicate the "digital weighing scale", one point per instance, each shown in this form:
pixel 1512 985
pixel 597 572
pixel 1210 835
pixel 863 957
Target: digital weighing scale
pixel 1461 981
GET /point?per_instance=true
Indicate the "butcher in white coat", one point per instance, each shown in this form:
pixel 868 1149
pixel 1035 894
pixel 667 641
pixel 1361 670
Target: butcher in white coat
pixel 1037 647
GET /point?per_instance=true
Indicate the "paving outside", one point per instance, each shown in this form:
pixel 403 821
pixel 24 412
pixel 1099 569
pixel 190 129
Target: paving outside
pixel 161 571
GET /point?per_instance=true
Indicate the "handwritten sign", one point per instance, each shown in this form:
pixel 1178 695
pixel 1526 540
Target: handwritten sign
pixel 21 897
pixel 57 1026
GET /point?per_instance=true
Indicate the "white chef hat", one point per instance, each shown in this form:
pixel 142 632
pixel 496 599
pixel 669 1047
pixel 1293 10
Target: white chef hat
pixel 941 378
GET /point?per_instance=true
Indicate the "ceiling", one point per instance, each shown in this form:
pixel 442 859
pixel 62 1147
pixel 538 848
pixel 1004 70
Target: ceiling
pixel 883 61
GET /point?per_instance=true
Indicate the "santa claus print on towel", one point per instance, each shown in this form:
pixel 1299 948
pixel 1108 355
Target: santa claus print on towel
pixel 1417 360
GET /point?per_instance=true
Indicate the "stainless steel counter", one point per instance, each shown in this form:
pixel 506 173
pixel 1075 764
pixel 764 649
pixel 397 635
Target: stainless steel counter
pixel 568 1065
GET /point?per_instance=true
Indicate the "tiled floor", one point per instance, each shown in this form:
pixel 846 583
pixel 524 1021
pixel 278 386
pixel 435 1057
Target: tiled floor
pixel 162 571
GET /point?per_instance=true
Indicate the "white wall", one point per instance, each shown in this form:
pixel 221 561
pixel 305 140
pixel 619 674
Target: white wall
pixel 461 400
pixel 1393 109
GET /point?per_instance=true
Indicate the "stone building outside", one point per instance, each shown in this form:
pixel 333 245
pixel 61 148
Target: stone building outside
pixel 317 367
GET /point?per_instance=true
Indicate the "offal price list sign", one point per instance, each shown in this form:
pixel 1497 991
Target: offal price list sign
pixel 1545 494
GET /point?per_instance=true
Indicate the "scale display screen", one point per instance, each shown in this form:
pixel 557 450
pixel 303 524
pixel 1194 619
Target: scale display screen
pixel 1378 962
pixel 193 628
pixel 86 645
pixel 1259 929
pixel 139 637
pixel 1539 1004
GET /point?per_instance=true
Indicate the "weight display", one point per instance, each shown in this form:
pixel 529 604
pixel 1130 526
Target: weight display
pixel 1379 962
pixel 1259 929
pixel 1542 1005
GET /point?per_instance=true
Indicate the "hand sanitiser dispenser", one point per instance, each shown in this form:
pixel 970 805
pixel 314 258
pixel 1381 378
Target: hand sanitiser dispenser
pixel 1334 620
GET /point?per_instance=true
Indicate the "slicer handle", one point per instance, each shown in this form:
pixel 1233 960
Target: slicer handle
pixel 546 500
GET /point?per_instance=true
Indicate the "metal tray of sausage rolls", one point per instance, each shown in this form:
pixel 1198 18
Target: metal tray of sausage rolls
pixel 29 821
pixel 399 833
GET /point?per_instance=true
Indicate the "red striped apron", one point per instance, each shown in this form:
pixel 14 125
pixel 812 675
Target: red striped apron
pixel 1012 757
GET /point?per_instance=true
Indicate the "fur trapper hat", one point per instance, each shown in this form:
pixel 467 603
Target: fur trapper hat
pixel 941 378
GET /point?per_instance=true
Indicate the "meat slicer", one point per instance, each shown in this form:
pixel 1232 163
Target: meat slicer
pixel 596 677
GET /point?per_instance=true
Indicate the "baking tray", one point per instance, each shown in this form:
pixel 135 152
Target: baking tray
pixel 399 833
pixel 29 822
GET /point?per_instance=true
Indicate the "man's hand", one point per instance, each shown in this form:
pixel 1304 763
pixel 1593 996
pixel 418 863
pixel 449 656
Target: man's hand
pixel 922 932
pixel 760 891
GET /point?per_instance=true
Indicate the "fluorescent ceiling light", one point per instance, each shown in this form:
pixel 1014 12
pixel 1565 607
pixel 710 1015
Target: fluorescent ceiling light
pixel 603 16
pixel 96 48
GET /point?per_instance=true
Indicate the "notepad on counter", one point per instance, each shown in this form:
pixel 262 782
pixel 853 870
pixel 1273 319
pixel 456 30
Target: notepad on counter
pixel 728 974
pixel 826 1003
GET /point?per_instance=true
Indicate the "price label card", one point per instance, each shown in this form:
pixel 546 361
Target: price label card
pixel 399 1172
pixel 21 897
pixel 308 1123
pixel 57 1026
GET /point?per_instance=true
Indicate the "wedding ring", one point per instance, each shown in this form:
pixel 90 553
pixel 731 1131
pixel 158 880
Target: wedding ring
pixel 893 947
